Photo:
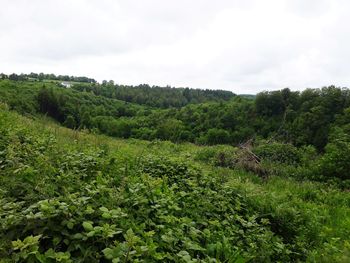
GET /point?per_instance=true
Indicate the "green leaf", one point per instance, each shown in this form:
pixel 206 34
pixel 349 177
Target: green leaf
pixel 89 210
pixel 70 225
pixel 91 234
pixel 88 226
pixel 50 253
pixel 78 236
pixel 106 215
pixel 108 252
pixel 56 240
pixel 103 209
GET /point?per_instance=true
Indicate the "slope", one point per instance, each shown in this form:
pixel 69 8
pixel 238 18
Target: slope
pixel 74 196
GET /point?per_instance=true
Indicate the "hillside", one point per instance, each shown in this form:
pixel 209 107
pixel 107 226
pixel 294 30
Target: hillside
pixel 76 197
pixel 300 118
pixel 154 96
pixel 90 178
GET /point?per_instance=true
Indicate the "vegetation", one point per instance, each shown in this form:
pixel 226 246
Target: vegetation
pixel 266 181
pixel 161 97
pixel 302 119
pixel 41 76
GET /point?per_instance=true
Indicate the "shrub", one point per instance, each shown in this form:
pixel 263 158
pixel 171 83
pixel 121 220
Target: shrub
pixel 335 163
pixel 217 136
pixel 172 171
pixel 278 152
pixel 212 154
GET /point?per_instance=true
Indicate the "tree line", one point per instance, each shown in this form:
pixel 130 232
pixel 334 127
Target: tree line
pixel 43 76
pixel 155 96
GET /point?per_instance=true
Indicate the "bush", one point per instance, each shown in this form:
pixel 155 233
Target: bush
pixel 335 163
pixel 171 171
pixel 230 157
pixel 278 152
pixel 210 154
pixel 217 136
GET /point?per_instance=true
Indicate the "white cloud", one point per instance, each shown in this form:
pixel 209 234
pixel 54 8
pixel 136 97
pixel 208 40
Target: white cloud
pixel 243 46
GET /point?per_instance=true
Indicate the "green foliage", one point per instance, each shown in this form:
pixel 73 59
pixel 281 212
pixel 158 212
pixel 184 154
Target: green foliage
pixel 41 76
pixel 335 163
pixel 70 122
pixel 217 136
pixel 68 203
pixel 160 97
pixel 220 155
pixel 171 129
pixel 278 152
pixel 71 196
pixel 203 117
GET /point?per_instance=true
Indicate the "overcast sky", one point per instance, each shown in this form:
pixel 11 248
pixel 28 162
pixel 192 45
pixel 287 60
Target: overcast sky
pixel 245 46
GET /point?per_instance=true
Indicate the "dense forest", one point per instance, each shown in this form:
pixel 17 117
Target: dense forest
pixel 300 118
pixel 101 172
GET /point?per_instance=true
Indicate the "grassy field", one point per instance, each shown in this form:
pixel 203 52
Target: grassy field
pixel 73 196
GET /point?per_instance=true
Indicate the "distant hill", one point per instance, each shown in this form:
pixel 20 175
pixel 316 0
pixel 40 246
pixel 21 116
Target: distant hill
pixel 155 96
pixel 143 94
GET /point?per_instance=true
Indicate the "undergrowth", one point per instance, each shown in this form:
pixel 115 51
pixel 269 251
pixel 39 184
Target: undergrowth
pixel 70 196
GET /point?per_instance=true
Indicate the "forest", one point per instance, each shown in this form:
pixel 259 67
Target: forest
pixel 103 172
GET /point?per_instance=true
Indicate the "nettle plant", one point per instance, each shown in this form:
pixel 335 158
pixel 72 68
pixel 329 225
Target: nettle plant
pixel 153 220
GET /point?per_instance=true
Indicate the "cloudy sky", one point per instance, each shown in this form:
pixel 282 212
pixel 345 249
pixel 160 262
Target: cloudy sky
pixel 240 45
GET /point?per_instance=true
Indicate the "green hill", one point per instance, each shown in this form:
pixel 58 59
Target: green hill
pixel 78 183
pixel 73 196
pixel 300 118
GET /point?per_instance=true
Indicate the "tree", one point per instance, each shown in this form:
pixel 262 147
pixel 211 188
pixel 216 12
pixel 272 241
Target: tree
pixel 14 77
pixel 85 120
pixel 336 160
pixel 170 129
pixel 270 103
pixel 3 76
pixel 48 103
pixel 41 76
pixel 217 136
pixel 70 122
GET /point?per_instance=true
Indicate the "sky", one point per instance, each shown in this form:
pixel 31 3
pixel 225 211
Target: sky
pixel 245 46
